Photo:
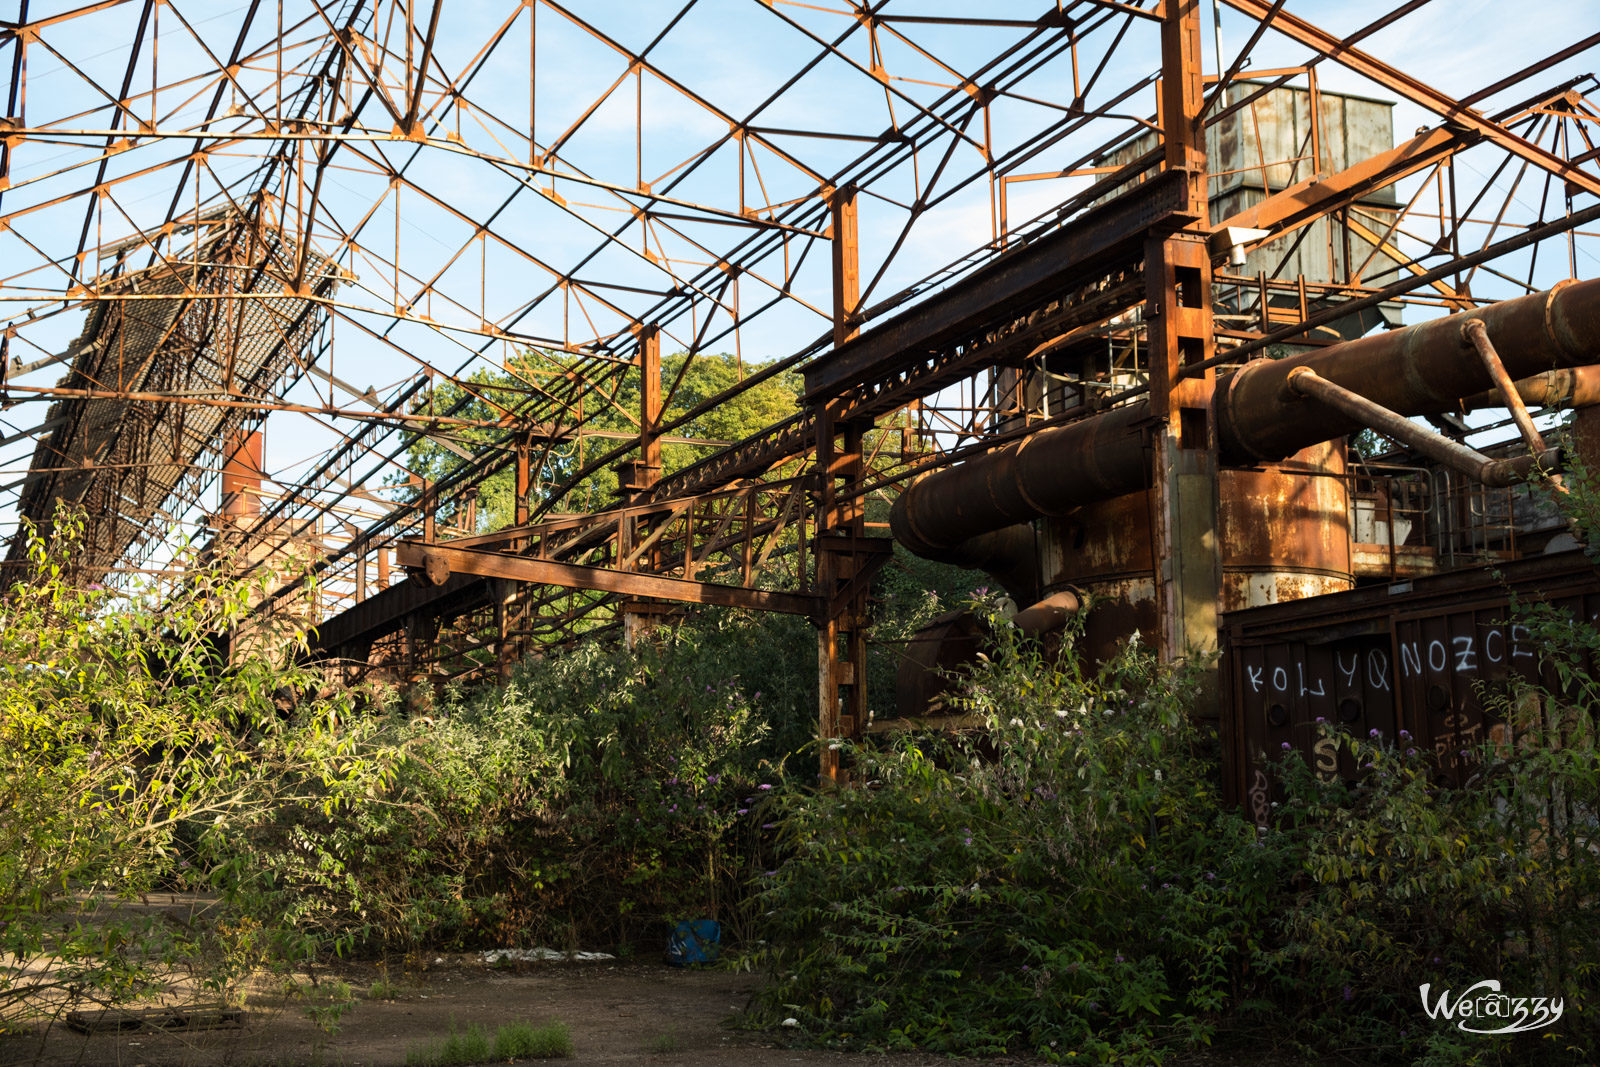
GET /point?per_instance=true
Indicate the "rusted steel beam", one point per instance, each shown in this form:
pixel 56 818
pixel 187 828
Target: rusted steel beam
pixel 1112 232
pixel 442 559
pixel 845 249
pixel 1419 93
pixel 385 612
pixel 1182 469
pixel 1316 196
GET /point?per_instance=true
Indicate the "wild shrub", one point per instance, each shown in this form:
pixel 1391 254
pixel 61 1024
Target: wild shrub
pixel 596 796
pixel 124 721
pixel 1068 882
pixel 1403 882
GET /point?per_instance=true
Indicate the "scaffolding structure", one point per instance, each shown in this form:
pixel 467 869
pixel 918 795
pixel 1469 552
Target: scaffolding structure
pixel 961 230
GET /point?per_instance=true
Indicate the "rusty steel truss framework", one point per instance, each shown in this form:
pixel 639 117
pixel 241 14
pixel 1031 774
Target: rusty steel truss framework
pixel 313 214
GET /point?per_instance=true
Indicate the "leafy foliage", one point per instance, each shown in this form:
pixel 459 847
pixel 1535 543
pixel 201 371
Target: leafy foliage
pixel 490 396
pixel 1070 884
pixel 126 730
pixel 596 796
pixel 1039 890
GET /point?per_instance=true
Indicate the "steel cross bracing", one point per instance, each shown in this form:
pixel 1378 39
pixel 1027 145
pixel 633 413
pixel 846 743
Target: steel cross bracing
pixel 563 192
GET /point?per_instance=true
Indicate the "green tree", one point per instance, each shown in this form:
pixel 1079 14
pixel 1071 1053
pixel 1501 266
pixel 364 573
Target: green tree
pixel 609 415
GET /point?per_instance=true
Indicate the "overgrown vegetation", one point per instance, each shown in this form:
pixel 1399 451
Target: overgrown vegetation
pixel 127 745
pixel 1066 882
pixel 1069 883
pixel 595 796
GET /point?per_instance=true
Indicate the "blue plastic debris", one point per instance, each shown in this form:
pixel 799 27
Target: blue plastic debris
pixel 694 941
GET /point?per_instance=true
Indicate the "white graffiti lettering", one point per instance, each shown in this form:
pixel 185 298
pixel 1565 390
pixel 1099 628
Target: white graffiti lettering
pixel 1410 659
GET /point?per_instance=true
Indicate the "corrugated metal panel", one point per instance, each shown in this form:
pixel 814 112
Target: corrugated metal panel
pixel 1408 656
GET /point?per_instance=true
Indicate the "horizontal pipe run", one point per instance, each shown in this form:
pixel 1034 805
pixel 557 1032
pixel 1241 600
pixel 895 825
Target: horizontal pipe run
pixel 1572 387
pixel 1452 454
pixel 1048 473
pixel 1421 370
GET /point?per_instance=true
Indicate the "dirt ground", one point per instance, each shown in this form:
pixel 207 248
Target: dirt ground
pixel 618 1013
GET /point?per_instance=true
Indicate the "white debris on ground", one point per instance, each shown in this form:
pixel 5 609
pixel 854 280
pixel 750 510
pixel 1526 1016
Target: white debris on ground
pixel 540 955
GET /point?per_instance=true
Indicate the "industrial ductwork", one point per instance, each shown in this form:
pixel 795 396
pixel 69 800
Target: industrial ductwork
pixel 1260 416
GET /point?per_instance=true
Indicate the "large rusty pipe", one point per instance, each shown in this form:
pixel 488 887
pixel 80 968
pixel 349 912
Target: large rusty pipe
pixel 1574 387
pixel 1045 474
pixel 1420 370
pixel 1009 555
pixel 1452 454
pixel 1049 614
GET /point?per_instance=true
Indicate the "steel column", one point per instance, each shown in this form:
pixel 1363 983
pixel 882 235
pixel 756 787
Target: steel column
pixel 1179 312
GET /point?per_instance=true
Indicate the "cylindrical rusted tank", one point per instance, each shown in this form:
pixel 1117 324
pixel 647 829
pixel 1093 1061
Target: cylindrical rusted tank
pixel 1284 533
pixel 1285 530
